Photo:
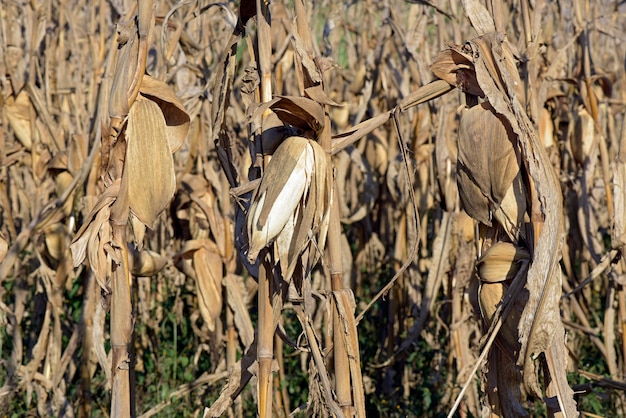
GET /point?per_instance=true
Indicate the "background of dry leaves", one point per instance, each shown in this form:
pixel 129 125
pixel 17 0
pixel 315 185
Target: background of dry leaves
pixel 420 341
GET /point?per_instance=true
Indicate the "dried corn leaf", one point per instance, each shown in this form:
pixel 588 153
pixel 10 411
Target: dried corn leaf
pixel 18 112
pixel 236 299
pixel 4 248
pixel 56 237
pixel 583 137
pixel 355 187
pixel 618 232
pixel 149 178
pixel 503 389
pixel 479 16
pixel 209 272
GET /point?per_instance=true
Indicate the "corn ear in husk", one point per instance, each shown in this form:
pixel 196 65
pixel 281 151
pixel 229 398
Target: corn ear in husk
pixel 488 170
pixel 291 203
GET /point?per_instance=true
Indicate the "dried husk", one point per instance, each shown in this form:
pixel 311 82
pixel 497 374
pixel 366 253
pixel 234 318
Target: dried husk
pixel 237 301
pixel 583 137
pixel 488 169
pixel 502 263
pixel 145 263
pixel 149 179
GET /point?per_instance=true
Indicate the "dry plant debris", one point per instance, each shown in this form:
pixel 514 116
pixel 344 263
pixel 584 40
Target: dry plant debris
pixel 377 208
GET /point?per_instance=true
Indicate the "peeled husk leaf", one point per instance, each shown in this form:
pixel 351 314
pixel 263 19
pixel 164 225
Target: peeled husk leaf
pixel 149 178
pixel 311 218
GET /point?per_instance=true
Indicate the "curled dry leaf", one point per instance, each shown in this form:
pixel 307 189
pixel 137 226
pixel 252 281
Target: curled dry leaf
pixel 209 272
pixel 207 268
pixel 94 236
pixel 300 112
pixel 237 295
pixel 457 70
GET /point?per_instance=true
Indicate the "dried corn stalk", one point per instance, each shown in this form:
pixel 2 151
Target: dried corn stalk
pixel 147 124
pixel 494 186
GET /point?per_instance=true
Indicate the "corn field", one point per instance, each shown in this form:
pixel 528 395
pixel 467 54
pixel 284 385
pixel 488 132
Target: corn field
pixel 332 209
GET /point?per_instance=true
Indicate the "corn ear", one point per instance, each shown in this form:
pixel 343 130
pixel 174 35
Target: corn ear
pixel 488 170
pixel 149 176
pixel 287 177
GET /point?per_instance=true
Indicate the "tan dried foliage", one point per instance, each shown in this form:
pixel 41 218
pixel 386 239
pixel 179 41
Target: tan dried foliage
pixel 275 208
